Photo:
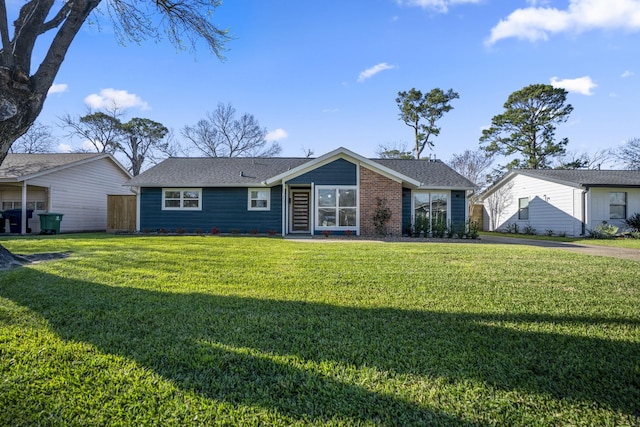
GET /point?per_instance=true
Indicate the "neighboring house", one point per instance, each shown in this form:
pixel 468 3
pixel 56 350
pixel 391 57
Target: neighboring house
pixel 75 185
pixel 567 202
pixel 335 193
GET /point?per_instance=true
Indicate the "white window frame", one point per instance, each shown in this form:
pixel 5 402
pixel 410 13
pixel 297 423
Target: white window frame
pixel 317 207
pixel 522 209
pixel 182 199
pixel 624 205
pixel 250 199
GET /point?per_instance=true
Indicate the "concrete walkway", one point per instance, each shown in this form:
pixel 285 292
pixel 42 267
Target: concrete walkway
pixel 608 251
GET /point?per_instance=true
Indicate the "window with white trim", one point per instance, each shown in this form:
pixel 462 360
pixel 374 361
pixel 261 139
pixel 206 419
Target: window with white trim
pixel 618 205
pixel 523 208
pixel 336 207
pixel 259 199
pixel 188 199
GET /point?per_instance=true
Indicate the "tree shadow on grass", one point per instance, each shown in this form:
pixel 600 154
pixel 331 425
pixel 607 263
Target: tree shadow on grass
pixel 221 347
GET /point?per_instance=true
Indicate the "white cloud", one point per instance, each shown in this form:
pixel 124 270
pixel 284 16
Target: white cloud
pixel 437 5
pixel 58 88
pixel 90 147
pixel 65 148
pixel 627 73
pixel 370 72
pixel 276 135
pixel 112 97
pixel 581 85
pixel 537 23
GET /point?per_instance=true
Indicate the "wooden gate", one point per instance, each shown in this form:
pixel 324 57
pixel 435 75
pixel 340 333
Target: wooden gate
pixel 121 213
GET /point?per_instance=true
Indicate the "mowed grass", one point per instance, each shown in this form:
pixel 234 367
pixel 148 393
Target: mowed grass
pixel 186 330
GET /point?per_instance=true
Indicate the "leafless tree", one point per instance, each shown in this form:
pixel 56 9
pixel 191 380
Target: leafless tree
pixel 222 135
pixel 629 154
pixel 473 165
pixel 394 150
pixel 497 202
pixel 584 160
pixel 38 139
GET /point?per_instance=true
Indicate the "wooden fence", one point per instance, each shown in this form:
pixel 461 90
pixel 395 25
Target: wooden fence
pixel 121 213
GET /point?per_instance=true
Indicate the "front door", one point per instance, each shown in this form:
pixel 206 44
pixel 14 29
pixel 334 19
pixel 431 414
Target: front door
pixel 300 212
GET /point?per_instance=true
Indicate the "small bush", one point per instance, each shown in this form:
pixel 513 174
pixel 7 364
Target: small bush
pixel 326 233
pixel 548 233
pixel 272 232
pixel 198 231
pixel 603 231
pixel 215 230
pixel 254 232
pixel 528 229
pixel 513 228
pixel 181 230
pixel 473 229
pixel 633 222
pixel 381 217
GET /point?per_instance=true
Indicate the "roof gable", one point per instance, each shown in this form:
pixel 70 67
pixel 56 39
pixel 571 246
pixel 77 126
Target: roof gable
pixel 578 178
pixel 21 167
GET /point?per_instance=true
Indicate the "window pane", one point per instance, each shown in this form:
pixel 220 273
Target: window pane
pixel 191 194
pixel 258 203
pixel 327 217
pixel 347 217
pixel 523 208
pixel 618 198
pixel 439 207
pixel 421 205
pixel 617 212
pixel 327 198
pixel 191 203
pixel 7 205
pixel 172 203
pixel 171 194
pixel 347 198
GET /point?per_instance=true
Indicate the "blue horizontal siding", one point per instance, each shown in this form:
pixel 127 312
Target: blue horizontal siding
pixel 458 210
pixel 224 208
pixel 338 172
pixel 406 209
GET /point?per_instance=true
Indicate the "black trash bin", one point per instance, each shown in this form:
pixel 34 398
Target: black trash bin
pixel 15 219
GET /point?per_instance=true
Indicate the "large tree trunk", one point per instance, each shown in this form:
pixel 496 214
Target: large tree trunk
pixel 19 108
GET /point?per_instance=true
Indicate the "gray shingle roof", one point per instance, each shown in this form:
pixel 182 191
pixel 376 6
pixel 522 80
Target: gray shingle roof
pixel 431 173
pixel 19 165
pixel 588 178
pixel 214 171
pixel 242 171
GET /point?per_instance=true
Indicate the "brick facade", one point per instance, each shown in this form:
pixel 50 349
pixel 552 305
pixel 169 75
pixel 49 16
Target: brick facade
pixel 373 186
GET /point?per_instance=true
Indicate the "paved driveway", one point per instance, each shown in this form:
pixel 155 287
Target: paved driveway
pixel 624 253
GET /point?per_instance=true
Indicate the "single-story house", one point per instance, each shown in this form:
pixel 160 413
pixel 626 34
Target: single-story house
pixel 334 193
pixel 75 185
pixel 566 202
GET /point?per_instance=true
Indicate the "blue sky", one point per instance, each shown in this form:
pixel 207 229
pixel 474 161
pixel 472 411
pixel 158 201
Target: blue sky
pixel 319 75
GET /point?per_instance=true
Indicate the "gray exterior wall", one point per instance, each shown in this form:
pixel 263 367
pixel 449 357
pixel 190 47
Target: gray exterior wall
pixel 224 208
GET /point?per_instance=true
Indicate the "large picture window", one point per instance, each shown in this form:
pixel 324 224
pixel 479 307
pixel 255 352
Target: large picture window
pixel 182 199
pixel 336 207
pixel 259 199
pixel 618 205
pixel 430 207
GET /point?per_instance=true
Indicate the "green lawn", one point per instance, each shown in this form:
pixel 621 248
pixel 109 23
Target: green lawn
pixel 192 330
pixel 620 242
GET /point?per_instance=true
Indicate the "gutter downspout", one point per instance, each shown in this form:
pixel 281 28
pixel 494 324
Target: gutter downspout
pixel 584 210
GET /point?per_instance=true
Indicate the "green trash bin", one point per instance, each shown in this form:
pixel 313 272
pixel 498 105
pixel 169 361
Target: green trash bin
pixel 50 222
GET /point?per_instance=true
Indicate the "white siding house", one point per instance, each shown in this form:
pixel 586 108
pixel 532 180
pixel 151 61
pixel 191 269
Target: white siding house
pixel 75 185
pixel 568 202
